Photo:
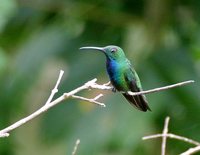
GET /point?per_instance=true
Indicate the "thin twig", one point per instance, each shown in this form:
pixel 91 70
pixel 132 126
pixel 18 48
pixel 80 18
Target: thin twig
pixel 161 88
pixel 93 100
pixel 164 138
pixel 191 151
pixel 55 89
pixel 107 87
pixel 76 146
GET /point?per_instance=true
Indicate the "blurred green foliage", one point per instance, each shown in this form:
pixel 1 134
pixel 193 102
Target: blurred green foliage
pixel 38 38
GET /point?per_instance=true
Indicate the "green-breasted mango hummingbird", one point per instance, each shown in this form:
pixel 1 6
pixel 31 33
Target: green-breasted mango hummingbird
pixel 122 76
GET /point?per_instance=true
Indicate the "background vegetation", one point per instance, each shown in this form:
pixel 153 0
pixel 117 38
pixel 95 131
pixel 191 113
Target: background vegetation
pixel 38 38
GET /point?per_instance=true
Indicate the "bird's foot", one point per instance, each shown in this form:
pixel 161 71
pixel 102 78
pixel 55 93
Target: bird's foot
pixel 114 90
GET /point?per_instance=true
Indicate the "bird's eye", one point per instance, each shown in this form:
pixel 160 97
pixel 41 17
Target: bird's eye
pixel 113 50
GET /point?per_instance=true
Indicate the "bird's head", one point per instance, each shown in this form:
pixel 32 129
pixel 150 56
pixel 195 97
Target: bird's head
pixel 112 52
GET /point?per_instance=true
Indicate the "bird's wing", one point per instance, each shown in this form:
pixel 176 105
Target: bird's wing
pixel 133 82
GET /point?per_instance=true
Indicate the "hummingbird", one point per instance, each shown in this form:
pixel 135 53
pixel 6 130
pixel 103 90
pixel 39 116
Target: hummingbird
pixel 122 75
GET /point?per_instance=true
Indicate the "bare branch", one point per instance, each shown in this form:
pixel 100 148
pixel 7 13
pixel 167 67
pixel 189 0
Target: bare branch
pixel 47 106
pixel 89 85
pixel 4 132
pixel 191 151
pixel 107 87
pixel 173 136
pixel 76 146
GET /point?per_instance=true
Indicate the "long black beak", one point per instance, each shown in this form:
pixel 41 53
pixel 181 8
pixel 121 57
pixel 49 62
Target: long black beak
pixel 93 48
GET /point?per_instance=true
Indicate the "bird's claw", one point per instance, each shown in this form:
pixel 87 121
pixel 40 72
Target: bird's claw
pixel 114 90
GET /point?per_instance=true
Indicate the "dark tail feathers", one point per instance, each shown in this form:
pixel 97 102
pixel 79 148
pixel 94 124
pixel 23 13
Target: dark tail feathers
pixel 139 101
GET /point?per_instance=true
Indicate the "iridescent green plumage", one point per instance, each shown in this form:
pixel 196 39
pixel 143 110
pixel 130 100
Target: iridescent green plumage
pixel 122 76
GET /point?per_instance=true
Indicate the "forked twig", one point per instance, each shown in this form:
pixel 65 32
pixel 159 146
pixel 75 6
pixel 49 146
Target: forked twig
pixel 166 135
